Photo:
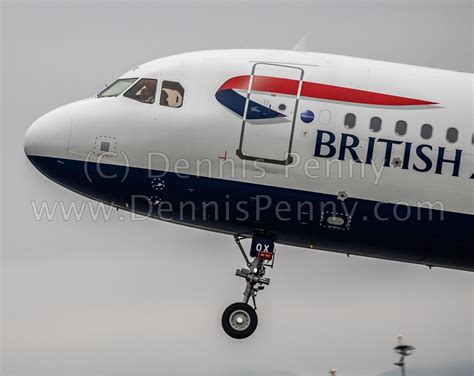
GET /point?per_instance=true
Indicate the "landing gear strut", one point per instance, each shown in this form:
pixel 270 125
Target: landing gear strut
pixel 240 320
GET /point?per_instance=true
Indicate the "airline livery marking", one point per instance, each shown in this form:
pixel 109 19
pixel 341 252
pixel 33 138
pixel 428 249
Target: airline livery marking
pixel 228 96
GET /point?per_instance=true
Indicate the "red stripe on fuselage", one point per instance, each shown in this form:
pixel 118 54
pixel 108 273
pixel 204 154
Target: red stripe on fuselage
pixel 320 91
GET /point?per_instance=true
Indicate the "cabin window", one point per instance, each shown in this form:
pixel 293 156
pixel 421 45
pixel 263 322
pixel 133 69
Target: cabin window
pixel 401 128
pixel 426 131
pixel 172 94
pixel 350 121
pixel 375 124
pixel 452 135
pixel 143 91
pixel 117 88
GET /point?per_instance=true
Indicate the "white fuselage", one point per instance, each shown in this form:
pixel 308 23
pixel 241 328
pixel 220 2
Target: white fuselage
pixel 337 127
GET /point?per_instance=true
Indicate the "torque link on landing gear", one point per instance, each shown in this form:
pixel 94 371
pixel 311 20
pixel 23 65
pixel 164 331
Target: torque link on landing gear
pixel 240 320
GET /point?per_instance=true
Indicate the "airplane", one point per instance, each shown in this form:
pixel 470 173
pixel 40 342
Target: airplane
pixel 312 150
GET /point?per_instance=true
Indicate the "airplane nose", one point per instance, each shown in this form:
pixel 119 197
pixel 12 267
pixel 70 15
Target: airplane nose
pixel 49 135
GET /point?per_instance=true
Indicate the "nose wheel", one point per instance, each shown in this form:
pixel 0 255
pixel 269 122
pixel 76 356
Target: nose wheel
pixel 240 320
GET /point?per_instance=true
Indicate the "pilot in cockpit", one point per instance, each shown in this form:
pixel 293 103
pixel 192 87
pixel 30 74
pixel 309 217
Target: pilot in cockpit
pixel 147 95
pixel 143 91
pixel 172 94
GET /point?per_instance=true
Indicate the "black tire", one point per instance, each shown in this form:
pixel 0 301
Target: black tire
pixel 239 320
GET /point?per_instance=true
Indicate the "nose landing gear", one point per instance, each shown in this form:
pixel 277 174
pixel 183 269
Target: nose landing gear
pixel 240 320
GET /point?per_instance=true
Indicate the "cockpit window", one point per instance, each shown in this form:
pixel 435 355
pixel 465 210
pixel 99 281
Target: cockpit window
pixel 143 91
pixel 172 94
pixel 117 88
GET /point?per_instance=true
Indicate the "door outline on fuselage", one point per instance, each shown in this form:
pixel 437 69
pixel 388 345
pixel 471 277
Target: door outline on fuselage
pixel 289 159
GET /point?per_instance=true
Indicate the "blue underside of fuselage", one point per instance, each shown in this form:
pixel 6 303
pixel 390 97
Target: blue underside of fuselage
pixel 300 218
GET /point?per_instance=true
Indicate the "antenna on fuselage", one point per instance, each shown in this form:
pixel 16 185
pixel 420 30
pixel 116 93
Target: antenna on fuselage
pixel 404 351
pixel 303 44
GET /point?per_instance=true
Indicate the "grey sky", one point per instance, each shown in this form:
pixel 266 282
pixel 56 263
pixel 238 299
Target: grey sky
pixel 134 298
